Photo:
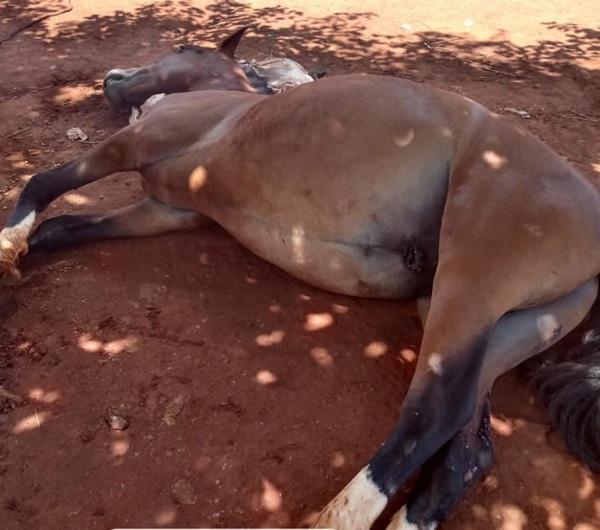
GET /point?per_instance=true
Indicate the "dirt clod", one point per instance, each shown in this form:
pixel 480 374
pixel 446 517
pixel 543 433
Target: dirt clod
pixel 116 422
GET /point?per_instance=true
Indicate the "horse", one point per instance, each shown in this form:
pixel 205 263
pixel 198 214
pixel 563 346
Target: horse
pixel 369 186
pixel 182 73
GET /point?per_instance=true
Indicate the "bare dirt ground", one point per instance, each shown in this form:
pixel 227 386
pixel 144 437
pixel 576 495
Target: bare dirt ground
pixel 251 398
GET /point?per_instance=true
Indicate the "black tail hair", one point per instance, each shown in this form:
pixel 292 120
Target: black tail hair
pixel 571 392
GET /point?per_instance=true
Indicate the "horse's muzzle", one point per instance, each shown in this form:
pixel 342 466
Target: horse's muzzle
pixel 113 86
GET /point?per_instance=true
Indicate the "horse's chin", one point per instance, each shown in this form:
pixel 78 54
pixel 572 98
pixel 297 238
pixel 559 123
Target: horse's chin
pixel 115 98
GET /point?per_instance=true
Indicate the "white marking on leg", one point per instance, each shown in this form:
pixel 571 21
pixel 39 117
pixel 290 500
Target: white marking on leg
pixel 21 229
pixel 13 239
pixel 356 507
pixel 400 522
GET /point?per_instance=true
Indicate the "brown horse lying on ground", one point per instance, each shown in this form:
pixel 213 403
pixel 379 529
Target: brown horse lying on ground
pixel 378 187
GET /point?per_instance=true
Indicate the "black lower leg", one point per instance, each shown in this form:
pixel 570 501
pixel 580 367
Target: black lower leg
pixel 439 403
pixel 145 218
pixel 42 189
pixel 449 474
pixel 69 230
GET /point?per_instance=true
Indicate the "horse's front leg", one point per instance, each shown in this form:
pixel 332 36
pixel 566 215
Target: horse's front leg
pixel 148 217
pixel 112 155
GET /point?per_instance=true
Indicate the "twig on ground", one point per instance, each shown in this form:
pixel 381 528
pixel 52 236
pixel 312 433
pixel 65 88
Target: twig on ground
pixel 15 133
pixel 33 22
pixel 579 115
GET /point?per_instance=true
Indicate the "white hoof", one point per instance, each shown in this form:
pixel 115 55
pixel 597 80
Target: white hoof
pixel 356 507
pixel 12 247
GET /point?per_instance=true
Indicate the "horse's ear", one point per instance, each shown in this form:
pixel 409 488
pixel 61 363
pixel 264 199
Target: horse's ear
pixel 230 44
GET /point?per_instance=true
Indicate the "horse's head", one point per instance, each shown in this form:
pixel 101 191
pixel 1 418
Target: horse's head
pixel 187 68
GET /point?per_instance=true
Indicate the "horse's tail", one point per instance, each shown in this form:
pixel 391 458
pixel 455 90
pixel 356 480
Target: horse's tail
pixel 571 392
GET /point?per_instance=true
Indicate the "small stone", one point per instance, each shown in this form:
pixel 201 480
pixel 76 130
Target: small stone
pixel 183 492
pixel 521 113
pixel 75 133
pixel 116 422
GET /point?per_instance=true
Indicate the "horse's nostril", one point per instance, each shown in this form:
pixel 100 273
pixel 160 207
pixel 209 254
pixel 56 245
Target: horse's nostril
pixel 113 77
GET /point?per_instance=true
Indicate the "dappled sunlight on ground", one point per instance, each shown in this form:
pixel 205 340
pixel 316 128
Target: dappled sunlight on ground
pixel 266 377
pixel 408 355
pixel 76 199
pixel 166 516
pixel 321 356
pixel 39 395
pixel 376 349
pixel 318 321
pixel 275 337
pixel 271 498
pixel 73 94
pixel 114 347
pixel 29 423
pixel 510 517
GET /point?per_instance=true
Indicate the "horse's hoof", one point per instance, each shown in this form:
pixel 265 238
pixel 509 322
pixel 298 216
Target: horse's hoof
pixel 13 246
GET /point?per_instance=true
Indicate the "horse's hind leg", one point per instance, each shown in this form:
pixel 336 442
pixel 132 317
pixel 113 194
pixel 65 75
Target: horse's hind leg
pixel 444 394
pixel 447 476
pixel 148 217
pixel 111 156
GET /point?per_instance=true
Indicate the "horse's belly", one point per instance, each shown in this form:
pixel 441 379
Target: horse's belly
pixel 339 266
